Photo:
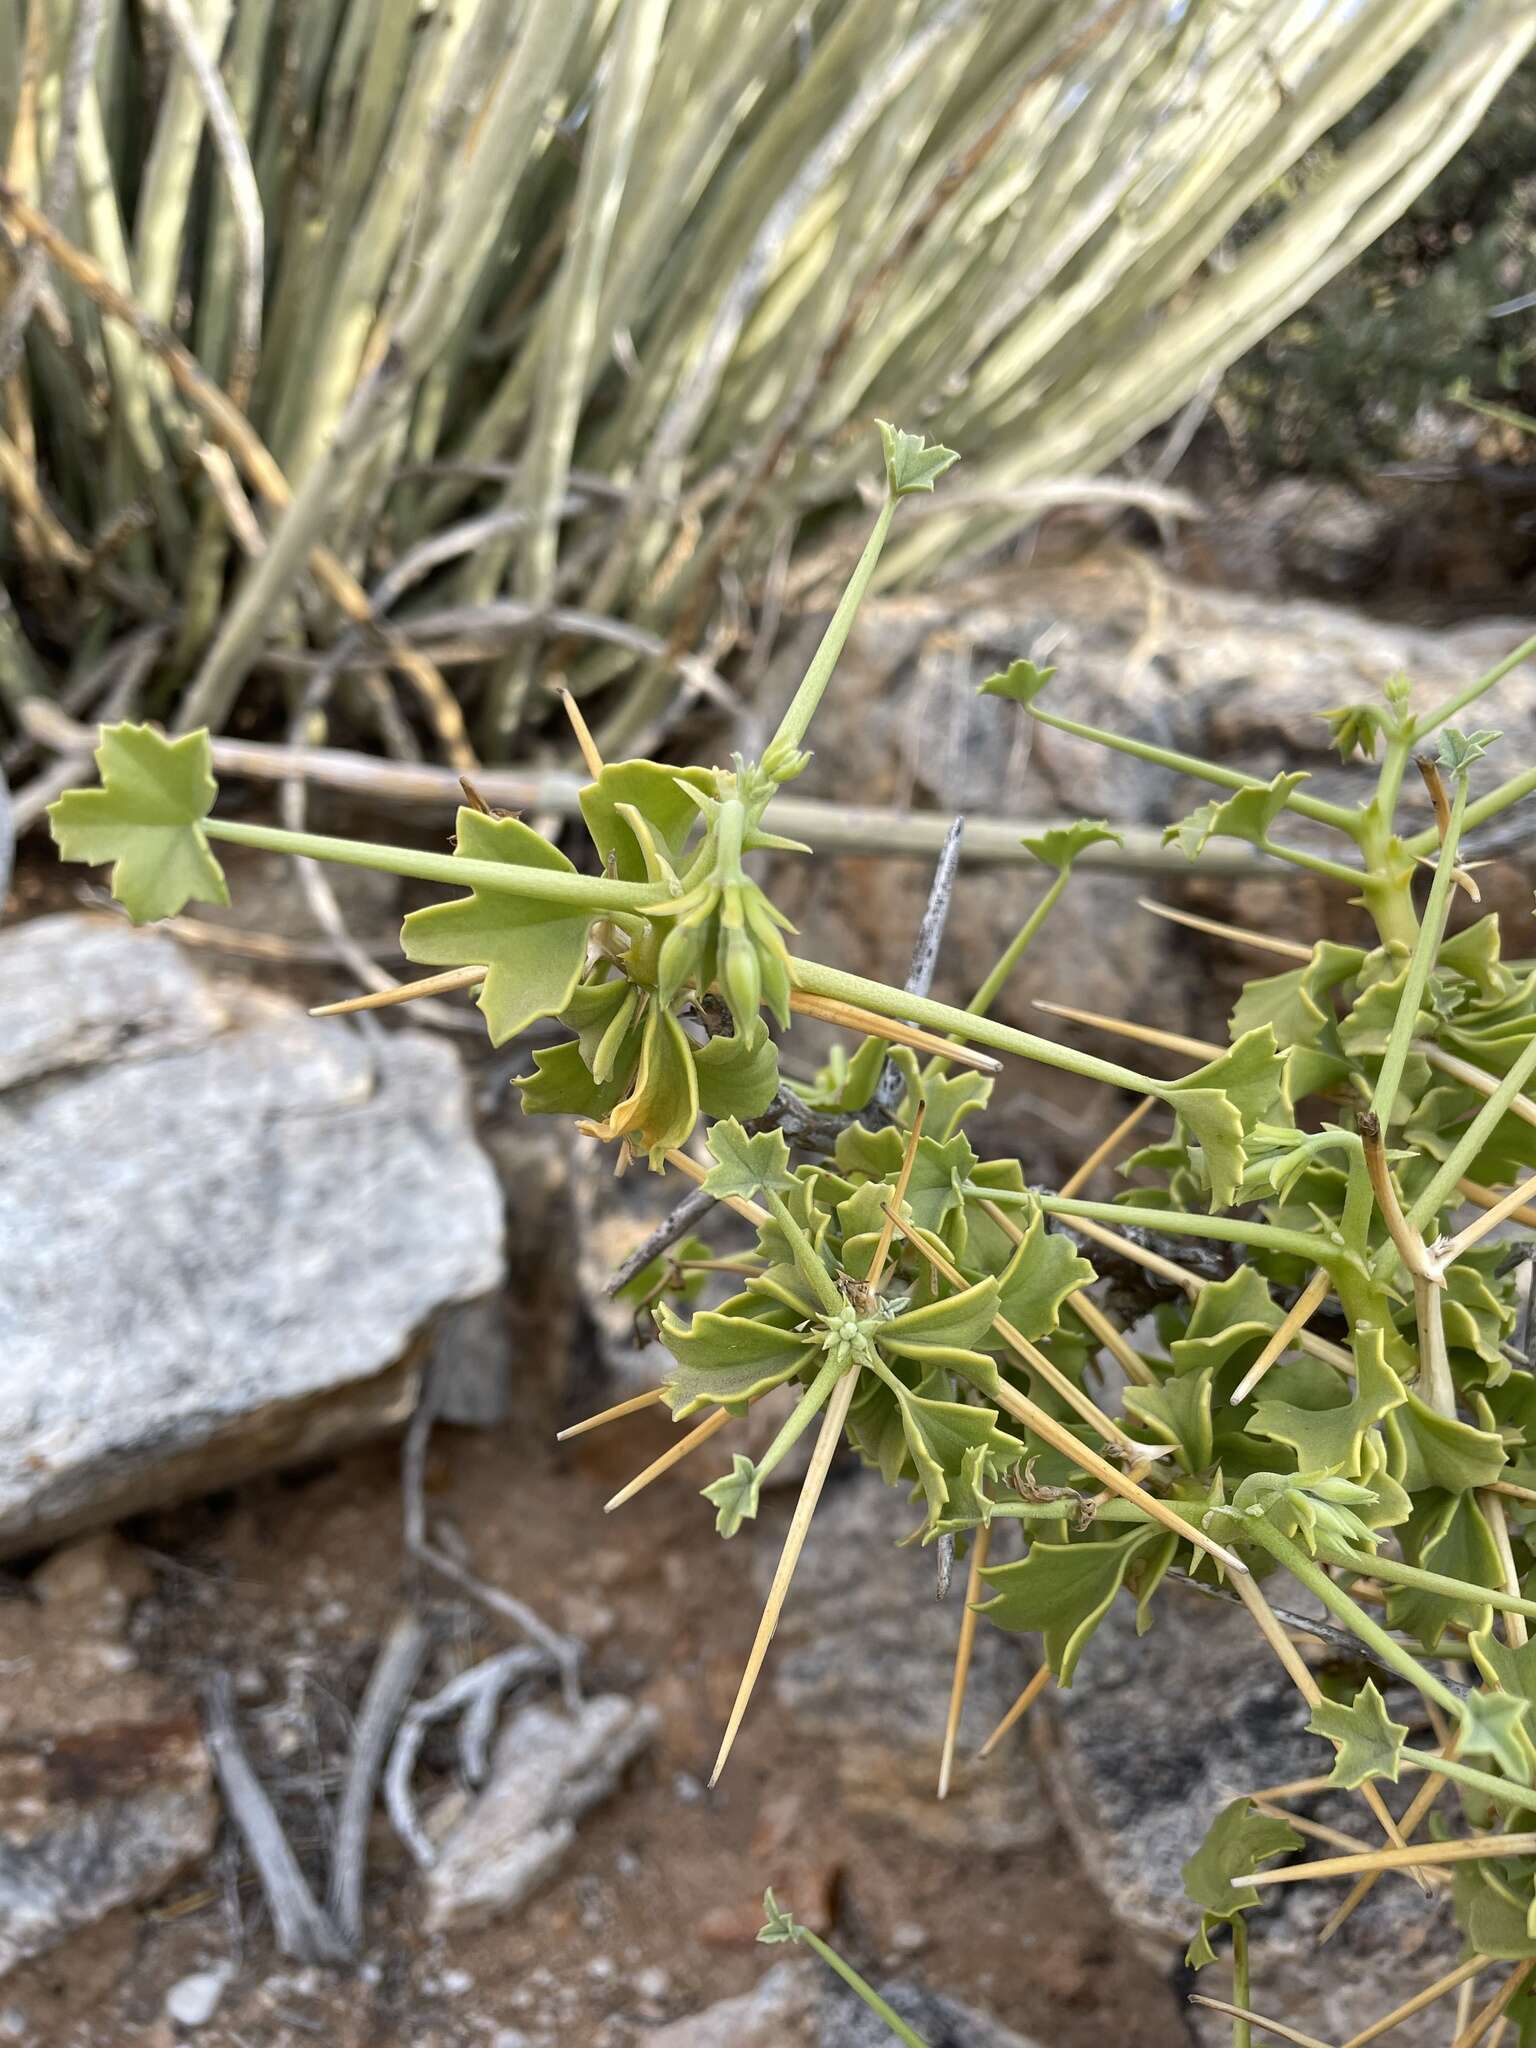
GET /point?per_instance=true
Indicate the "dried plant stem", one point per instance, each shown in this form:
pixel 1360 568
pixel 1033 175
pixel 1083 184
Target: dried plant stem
pixel 827 1440
pixel 1451 1981
pixel 1080 1178
pixel 616 1413
pixel 1473 1077
pixel 404 992
pixel 1288 949
pixel 1021 1706
pixel 673 1455
pixel 1413 1815
pixel 980 1542
pixel 1490 1198
pixel 1472 1849
pixel 1280 2028
pixel 1306 1305
pixel 1515 1632
pixel 750 1212
pixel 1145 1034
pixel 1502 1209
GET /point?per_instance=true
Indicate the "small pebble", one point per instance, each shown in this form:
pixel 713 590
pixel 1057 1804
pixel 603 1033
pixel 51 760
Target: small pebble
pixel 454 1983
pixel 194 2001
pixel 653 1984
pixel 509 2037
pixel 13 2023
pixel 600 1969
pixel 907 1938
pixel 687 1788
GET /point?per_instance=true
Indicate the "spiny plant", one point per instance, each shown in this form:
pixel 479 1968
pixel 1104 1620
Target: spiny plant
pixel 1344 1402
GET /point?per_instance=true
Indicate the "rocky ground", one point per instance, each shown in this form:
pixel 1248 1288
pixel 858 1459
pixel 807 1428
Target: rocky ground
pixel 239 1241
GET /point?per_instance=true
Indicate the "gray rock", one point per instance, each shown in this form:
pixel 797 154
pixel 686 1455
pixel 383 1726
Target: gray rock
pixel 863 1659
pixel 193 2001
pixel 221 1249
pixel 798 2004
pixel 549 1768
pixel 1154 1737
pixel 93 1820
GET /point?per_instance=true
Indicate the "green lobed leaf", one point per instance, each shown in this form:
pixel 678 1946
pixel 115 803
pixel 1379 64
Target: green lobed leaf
pixel 1369 1744
pixel 1354 729
pixel 659 794
pixel 1062 844
pixel 738 1077
pixel 147 820
pixel 911 462
pixel 1247 815
pixel 1044 1270
pixel 533 952
pixel 1457 751
pixel 734 1495
pixel 1021 682
pixel 1239 1842
pixel 746 1166
pixel 725 1359
pixel 1063 1590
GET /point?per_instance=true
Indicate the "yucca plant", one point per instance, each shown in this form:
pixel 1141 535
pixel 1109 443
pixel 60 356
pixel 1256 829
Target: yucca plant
pixel 1344 1404
pixel 453 346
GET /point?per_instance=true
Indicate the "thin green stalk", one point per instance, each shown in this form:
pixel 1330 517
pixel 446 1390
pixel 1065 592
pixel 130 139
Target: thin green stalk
pixel 1354 1617
pixel 545 885
pixel 1314 863
pixel 1434 719
pixel 1395 1573
pixel 802 706
pixel 1427 947
pixel 804 1412
pixel 1471 1142
pixel 1339 816
pixel 865 1990
pixel 1242 2032
pixel 812 1270
pixel 1176 1222
pixel 1516 1798
pixel 1018 946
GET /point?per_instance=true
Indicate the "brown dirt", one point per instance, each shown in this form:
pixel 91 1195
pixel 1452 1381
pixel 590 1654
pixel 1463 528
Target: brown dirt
pixel 289 1584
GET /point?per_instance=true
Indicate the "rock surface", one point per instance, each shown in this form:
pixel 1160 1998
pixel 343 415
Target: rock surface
pixel 1154 1737
pixel 549 1768
pixel 225 1225
pixel 798 2004
pixel 863 1660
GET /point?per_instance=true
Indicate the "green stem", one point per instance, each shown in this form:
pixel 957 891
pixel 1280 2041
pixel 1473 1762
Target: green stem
pixel 1434 719
pixel 1426 947
pixel 1337 815
pixel 1471 1142
pixel 1266 1237
pixel 1242 2032
pixel 1337 1601
pixel 1518 1798
pixel 801 1416
pixel 1315 863
pixel 1395 1573
pixel 866 1991
pixel 802 706
pixel 544 885
pixel 987 994
pixel 812 1270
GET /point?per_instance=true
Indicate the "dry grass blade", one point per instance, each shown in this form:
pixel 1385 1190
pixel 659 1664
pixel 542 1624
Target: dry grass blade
pixel 673 1455
pixel 1502 1209
pixel 404 992
pixel 1469 1849
pixel 1021 1706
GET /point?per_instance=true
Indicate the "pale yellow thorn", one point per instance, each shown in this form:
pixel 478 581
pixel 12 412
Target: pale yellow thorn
pixel 1306 1305
pixel 1293 1788
pixel 1462 1974
pixel 405 992
pixel 1018 1710
pixel 1490 1198
pixel 1473 1077
pixel 1516 1633
pixel 1501 1210
pixel 1317 1830
pixel 1413 1814
pixel 752 1212
pixel 1093 1318
pixel 614 1414
pixel 1508 1486
pixel 678 1451
pixel 876 1270
pixel 1105 1146
pixel 827 1440
pixel 1469 1849
pixel 851 1018
pixel 1289 949
pixel 1146 1034
pixel 1257 2019
pixel 980 1541
pixel 1495 2008
pixel 1081 1403
pixel 584 739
